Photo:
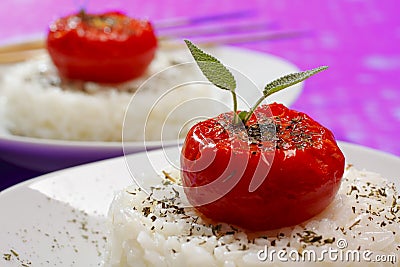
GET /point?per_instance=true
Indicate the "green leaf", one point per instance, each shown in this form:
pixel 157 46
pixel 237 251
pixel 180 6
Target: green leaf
pixel 212 68
pixel 242 115
pixel 289 80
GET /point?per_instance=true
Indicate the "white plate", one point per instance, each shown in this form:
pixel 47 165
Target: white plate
pixel 49 155
pixel 59 219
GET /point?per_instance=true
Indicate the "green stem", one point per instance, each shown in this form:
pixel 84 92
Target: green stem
pixel 235 115
pixel 251 111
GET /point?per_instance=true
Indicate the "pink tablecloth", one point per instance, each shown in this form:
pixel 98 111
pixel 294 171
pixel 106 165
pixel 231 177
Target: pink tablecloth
pixel 358 98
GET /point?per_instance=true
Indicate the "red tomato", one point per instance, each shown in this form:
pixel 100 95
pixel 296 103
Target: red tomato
pixel 261 181
pixel 106 48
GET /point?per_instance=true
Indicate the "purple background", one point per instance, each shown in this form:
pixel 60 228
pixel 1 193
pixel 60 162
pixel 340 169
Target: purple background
pixel 358 98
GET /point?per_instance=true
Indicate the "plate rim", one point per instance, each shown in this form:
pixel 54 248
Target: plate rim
pixel 342 144
pixel 17 139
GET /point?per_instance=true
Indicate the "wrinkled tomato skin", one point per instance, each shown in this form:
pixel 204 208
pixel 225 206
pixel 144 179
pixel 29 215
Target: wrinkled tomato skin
pixel 299 183
pixel 85 47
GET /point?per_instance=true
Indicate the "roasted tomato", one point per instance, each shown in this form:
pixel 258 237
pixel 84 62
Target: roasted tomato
pixel 282 168
pixel 105 48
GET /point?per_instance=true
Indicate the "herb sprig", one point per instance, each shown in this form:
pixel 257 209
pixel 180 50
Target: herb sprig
pixel 220 76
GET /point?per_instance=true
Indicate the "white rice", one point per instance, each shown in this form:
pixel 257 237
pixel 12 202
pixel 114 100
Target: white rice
pixel 38 104
pixel 365 215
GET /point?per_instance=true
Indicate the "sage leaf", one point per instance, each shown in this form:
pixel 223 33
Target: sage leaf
pixel 212 68
pixel 289 80
pixel 242 115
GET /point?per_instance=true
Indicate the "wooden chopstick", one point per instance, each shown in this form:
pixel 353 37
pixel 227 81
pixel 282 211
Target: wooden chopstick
pixel 23 46
pixel 238 39
pixel 159 25
pixel 172 29
pixel 222 29
pixel 23 51
pixel 188 21
pixel 18 56
pixel 40 43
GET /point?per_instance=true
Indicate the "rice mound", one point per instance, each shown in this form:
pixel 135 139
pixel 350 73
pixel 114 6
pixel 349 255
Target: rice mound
pixel 37 103
pixel 151 231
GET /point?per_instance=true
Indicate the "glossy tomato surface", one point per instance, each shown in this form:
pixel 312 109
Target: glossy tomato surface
pixel 106 48
pixel 282 168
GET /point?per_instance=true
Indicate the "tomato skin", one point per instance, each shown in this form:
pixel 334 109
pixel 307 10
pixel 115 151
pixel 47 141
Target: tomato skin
pixel 105 48
pixel 299 179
